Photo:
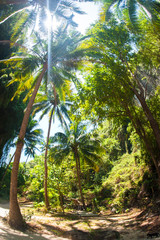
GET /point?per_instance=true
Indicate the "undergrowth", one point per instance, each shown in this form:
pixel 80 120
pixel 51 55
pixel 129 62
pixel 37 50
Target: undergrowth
pixel 124 182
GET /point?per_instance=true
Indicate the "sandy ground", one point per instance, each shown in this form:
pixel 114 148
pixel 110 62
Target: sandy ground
pixel 7 233
pixel 44 226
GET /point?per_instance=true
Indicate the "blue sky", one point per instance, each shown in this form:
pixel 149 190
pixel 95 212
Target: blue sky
pixel 92 10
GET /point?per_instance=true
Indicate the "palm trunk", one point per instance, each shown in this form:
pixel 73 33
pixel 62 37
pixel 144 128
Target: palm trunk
pixel 15 216
pixel 78 168
pixel 45 162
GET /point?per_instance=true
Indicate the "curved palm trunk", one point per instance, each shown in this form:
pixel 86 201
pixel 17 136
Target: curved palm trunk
pixel 45 162
pixel 78 168
pixel 15 216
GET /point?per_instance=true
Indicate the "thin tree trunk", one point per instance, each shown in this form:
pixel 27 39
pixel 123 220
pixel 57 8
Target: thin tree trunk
pixel 45 162
pixel 79 178
pixel 15 216
pixel 60 194
pixel 46 153
pixel 141 97
pixel 153 123
pixel 60 197
pixel 126 146
pixel 25 165
pixel 141 132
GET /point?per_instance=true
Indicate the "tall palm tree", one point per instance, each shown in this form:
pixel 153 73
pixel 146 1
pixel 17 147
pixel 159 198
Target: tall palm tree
pixel 30 70
pixel 53 105
pixel 150 8
pixel 81 145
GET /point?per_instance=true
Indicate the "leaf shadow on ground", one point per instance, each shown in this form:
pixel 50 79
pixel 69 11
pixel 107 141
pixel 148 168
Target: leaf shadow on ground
pixel 76 234
pixel 8 233
pixel 104 227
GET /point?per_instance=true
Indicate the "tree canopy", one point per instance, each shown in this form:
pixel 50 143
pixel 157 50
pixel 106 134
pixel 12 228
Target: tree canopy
pixel 104 89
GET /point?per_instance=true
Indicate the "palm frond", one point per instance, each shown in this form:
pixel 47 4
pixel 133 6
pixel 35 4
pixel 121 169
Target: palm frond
pixel 44 112
pixel 14 59
pixel 23 19
pixel 151 9
pixel 133 13
pixel 92 159
pixel 59 154
pixel 8 12
pixel 108 6
pixel 59 138
pixel 70 5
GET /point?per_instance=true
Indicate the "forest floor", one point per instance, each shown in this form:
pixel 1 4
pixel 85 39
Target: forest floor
pixel 135 225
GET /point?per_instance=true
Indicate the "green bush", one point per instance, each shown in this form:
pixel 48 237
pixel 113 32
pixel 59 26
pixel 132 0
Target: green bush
pixel 123 182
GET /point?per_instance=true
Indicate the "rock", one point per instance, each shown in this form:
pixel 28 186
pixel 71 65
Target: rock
pixel 79 235
pixel 114 210
pixel 95 235
pixel 106 235
pixel 112 235
pixel 152 235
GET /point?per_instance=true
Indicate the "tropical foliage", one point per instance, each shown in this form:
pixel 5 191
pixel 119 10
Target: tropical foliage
pixel 110 117
pixel 54 107
pixel 77 142
pixel 133 10
pixel 119 79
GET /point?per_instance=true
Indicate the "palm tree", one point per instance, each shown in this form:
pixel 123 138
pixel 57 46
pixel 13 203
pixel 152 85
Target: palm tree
pixel 81 145
pixel 32 138
pixel 28 14
pixel 150 8
pixel 29 71
pixel 50 104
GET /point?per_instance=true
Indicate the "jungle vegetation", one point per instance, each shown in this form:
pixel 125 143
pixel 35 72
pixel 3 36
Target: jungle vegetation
pixel 104 87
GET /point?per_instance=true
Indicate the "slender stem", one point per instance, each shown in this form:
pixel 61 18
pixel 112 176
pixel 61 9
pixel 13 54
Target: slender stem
pixel 45 161
pixel 79 176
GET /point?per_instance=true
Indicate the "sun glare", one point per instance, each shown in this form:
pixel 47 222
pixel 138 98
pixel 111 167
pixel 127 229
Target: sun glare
pixel 48 20
pixel 51 22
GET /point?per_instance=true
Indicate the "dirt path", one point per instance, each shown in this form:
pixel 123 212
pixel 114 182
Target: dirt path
pixel 6 233
pixel 81 226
